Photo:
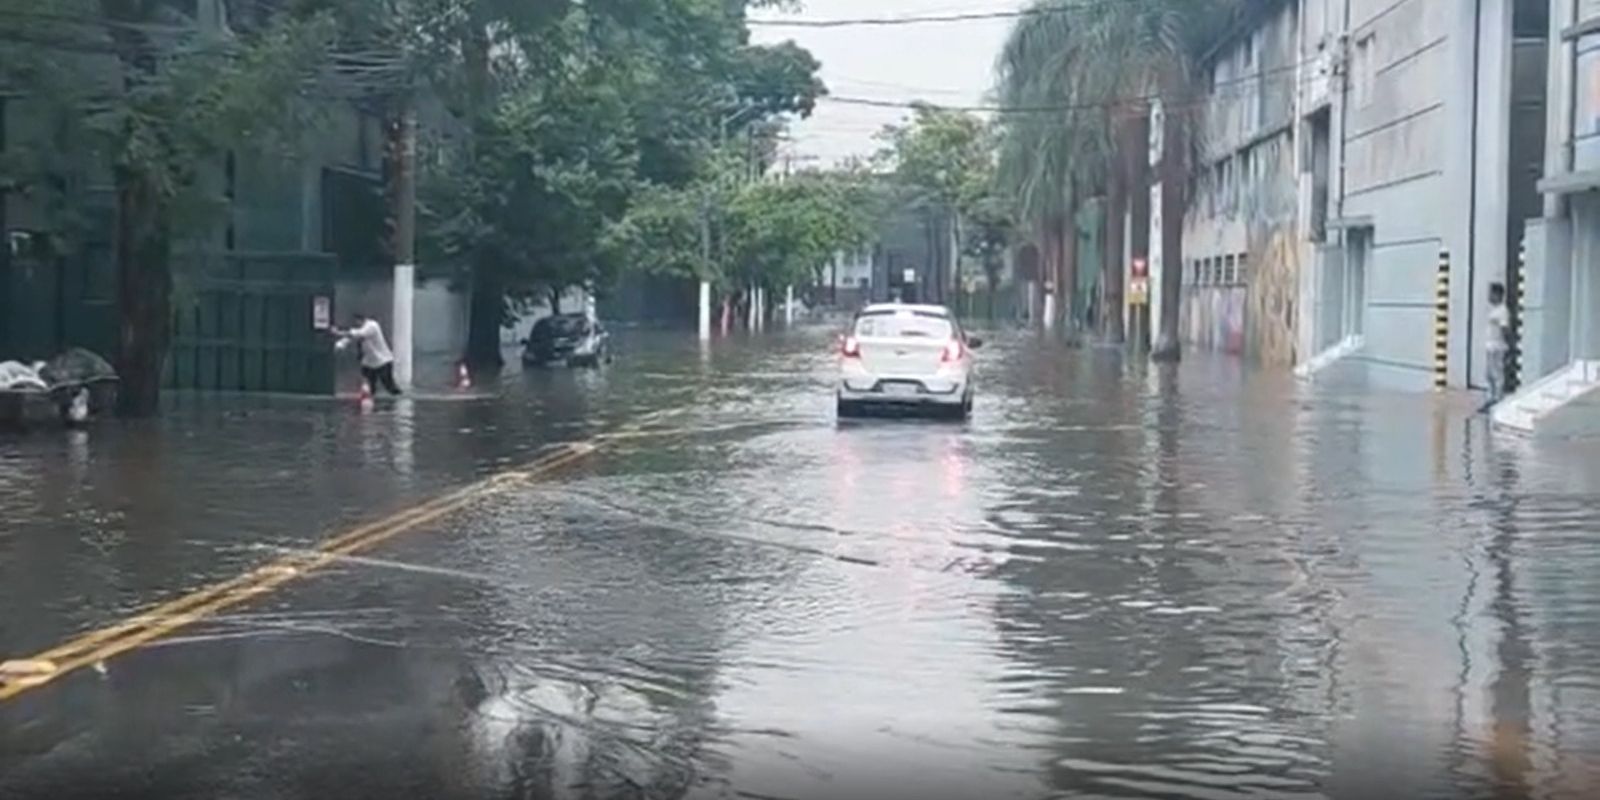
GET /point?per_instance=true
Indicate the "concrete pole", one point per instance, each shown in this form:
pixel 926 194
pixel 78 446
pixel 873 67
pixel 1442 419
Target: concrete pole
pixel 401 322
pixel 705 311
pixel 788 305
pixel 405 228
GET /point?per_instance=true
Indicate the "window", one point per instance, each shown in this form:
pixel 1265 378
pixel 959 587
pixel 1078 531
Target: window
pixel 891 326
pixel 1586 122
pixel 1241 272
pixel 1228 266
pixel 1362 71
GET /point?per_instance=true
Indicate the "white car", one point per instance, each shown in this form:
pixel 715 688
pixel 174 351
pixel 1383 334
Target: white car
pixel 906 356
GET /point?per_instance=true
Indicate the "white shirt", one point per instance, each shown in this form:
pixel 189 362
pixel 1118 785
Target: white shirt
pixel 374 348
pixel 1499 322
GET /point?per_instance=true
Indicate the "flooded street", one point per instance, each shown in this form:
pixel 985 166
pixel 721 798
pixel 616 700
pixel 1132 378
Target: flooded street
pixel 1113 581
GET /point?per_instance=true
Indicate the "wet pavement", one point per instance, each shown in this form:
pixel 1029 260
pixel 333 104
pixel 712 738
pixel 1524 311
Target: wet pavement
pixel 1113 581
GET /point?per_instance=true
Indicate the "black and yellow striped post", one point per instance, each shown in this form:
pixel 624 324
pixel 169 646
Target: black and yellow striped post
pixel 1441 323
pixel 1516 298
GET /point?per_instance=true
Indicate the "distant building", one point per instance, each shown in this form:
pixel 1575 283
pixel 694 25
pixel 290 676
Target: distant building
pixel 295 241
pixel 848 279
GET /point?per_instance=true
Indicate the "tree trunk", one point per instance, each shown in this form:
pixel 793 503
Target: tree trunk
pixel 486 307
pixel 956 288
pixel 1067 290
pixel 555 300
pixel 1174 186
pixel 1050 268
pixel 1137 144
pixel 991 273
pixel 486 312
pixel 144 293
pixel 1111 258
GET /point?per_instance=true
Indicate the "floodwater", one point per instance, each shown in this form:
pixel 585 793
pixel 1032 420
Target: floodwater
pixel 1114 581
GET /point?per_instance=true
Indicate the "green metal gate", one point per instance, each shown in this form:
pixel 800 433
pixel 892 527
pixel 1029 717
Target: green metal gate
pixel 244 322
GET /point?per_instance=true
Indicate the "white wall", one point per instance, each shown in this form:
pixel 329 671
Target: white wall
pixel 440 324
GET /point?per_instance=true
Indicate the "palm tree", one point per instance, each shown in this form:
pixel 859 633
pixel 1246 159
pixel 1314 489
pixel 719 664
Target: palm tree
pixel 1045 155
pixel 1101 63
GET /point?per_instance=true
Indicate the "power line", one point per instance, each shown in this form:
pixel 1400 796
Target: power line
pixel 926 19
pixel 1245 82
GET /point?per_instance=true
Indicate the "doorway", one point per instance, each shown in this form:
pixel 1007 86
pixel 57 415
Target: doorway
pixel 1353 294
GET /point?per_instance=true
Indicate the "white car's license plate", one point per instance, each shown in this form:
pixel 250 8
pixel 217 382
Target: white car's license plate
pixel 900 389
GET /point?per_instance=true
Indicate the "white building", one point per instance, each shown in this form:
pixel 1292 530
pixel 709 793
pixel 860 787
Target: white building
pixel 1373 166
pixel 847 280
pixel 1561 331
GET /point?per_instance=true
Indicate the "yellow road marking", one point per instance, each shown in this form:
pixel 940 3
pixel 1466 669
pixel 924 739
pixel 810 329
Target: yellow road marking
pixel 154 623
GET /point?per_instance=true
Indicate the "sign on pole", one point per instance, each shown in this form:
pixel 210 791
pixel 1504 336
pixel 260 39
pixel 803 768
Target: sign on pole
pixel 321 313
pixel 1139 283
pixel 909 276
pixel 1139 291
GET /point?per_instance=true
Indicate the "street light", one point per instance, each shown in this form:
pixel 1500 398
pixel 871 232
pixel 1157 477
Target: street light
pixel 722 126
pixel 704 316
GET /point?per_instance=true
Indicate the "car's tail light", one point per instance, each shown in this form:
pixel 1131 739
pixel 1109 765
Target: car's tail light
pixel 850 348
pixel 952 351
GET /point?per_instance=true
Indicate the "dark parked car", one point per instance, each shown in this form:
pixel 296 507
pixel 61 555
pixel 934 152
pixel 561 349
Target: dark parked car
pixel 567 338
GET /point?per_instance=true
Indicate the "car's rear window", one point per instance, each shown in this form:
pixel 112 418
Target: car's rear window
pixel 560 326
pixel 903 324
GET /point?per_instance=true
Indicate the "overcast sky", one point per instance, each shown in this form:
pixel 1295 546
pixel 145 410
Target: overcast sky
pixel 946 63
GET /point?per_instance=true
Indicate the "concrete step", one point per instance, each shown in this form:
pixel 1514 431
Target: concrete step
pixel 1549 402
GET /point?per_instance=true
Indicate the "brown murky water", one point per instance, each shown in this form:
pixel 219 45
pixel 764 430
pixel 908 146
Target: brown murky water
pixel 1112 581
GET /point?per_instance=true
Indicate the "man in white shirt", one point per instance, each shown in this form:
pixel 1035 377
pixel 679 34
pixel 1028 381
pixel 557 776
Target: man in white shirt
pixel 377 363
pixel 1497 341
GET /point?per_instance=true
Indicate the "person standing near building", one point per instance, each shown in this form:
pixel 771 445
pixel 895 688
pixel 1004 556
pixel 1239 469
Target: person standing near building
pixel 377 362
pixel 1497 342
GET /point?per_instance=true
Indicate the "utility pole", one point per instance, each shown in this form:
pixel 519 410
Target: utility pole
pixel 705 259
pixel 403 163
pixel 722 239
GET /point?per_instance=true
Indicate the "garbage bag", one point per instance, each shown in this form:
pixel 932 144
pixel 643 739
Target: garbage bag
pixel 16 376
pixel 76 366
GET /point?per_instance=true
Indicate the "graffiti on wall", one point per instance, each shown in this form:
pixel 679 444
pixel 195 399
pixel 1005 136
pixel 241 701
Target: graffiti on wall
pixel 1213 317
pixel 1242 276
pixel 1270 305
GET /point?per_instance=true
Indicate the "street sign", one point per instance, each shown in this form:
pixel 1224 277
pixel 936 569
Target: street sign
pixel 321 313
pixel 909 276
pixel 1139 290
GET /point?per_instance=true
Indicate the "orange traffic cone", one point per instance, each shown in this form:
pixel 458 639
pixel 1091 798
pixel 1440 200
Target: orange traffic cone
pixel 463 377
pixel 364 400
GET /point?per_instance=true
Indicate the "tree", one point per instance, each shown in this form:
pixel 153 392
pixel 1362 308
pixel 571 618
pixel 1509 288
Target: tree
pixel 943 163
pixel 156 99
pixel 566 115
pixel 993 225
pixel 1101 64
pixel 776 233
pixel 781 233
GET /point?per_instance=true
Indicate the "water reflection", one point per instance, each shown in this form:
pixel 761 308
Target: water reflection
pixel 1116 580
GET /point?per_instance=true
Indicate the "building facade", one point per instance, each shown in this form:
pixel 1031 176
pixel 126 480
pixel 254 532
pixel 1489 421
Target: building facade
pixel 1371 167
pixel 1561 315
pixel 1243 233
